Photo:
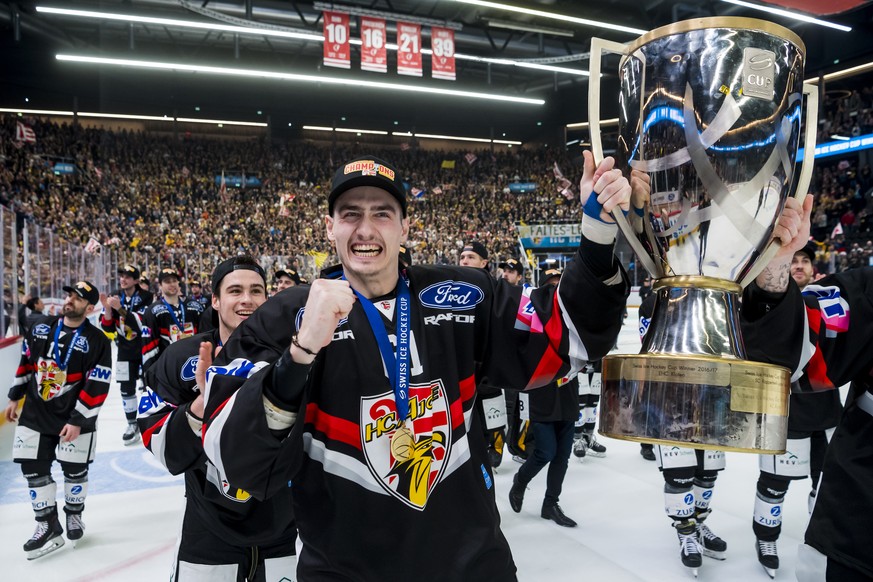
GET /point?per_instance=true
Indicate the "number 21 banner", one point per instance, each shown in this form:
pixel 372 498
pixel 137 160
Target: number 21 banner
pixel 336 40
pixel 409 49
pixel 442 41
pixel 373 52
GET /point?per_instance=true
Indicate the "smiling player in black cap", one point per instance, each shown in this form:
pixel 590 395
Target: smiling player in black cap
pixel 118 318
pixel 65 371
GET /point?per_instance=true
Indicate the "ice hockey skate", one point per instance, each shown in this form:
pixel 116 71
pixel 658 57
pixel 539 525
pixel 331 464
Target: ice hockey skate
pixel 75 528
pixel 713 546
pixel 47 538
pixel 768 557
pixel 689 547
pixel 594 448
pixel 580 447
pixel 131 434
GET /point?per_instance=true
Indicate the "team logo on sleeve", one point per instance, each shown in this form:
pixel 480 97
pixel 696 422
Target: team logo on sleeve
pixel 41 329
pixel 413 480
pixel 189 369
pixel 451 295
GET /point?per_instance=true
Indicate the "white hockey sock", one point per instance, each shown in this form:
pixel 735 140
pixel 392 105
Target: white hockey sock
pixel 768 512
pixel 679 505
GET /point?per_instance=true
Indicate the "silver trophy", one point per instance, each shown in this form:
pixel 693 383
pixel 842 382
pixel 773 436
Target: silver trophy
pixel 711 110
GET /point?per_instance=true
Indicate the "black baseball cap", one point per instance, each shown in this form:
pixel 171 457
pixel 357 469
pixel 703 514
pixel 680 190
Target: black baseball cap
pixel 512 265
pixel 242 262
pixel 809 250
pixel 548 274
pixel 166 273
pixel 477 248
pixel 367 171
pixel 86 291
pixel 129 270
pixel 290 273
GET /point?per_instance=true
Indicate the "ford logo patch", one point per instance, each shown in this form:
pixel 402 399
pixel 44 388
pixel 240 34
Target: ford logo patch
pixel 451 295
pixel 189 369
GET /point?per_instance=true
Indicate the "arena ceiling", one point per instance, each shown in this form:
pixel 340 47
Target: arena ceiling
pixel 31 39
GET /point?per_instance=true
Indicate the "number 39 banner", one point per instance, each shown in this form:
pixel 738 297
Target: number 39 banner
pixel 408 49
pixel 336 40
pixel 373 51
pixel 442 41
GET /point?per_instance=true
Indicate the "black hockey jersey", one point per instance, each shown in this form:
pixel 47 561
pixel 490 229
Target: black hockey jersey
pixel 124 324
pixel 840 312
pixel 231 513
pixel 363 514
pixel 67 385
pixel 162 324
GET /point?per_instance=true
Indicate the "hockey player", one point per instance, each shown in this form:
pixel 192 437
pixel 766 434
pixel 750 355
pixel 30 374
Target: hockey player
pixel 490 404
pixel 519 439
pixel 119 318
pixel 226 534
pixel 373 437
pixel 197 294
pixel 838 538
pixel 553 411
pixel 65 369
pixel 811 422
pixel 585 442
pixel 689 474
pixel 285 278
pixel 167 320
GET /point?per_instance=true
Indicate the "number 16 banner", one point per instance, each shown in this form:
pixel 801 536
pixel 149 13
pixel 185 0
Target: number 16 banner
pixel 373 52
pixel 408 49
pixel 336 40
pixel 442 41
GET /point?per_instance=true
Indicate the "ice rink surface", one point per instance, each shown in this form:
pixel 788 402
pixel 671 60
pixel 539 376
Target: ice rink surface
pixel 134 509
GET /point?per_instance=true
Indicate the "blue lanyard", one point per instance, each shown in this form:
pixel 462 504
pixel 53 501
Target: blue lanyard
pixel 181 326
pixel 56 351
pixel 129 302
pixel 400 364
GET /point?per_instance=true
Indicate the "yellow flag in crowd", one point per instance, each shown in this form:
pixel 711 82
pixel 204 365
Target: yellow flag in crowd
pixel 448 165
pixel 135 242
pixel 319 257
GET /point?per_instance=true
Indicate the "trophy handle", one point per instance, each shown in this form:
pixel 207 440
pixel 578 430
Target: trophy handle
pixel 598 47
pixel 803 180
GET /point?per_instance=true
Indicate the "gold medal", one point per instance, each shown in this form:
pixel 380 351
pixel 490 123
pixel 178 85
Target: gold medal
pixel 60 378
pixel 402 443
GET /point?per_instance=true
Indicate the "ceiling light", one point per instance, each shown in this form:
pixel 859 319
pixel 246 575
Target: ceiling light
pixel 345 130
pixel 279 33
pixel 298 77
pixel 130 116
pixel 125 116
pixel 585 124
pixel 35 111
pixel 182 23
pixel 788 14
pixel 850 72
pixel 524 27
pixel 221 122
pixel 840 137
pixel 454 137
pixel 554 16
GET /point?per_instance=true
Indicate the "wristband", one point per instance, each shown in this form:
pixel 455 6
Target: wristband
pixel 295 342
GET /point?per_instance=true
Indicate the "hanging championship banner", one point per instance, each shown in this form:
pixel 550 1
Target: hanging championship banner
pixel 442 43
pixel 336 40
pixel 409 49
pixel 374 56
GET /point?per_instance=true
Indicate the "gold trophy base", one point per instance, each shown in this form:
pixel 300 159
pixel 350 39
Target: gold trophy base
pixel 702 402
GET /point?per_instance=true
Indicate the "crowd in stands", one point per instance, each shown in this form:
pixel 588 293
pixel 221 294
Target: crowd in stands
pixel 158 195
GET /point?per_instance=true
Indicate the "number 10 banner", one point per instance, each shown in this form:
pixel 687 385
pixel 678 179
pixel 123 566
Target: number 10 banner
pixel 442 41
pixel 336 40
pixel 373 52
pixel 408 49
